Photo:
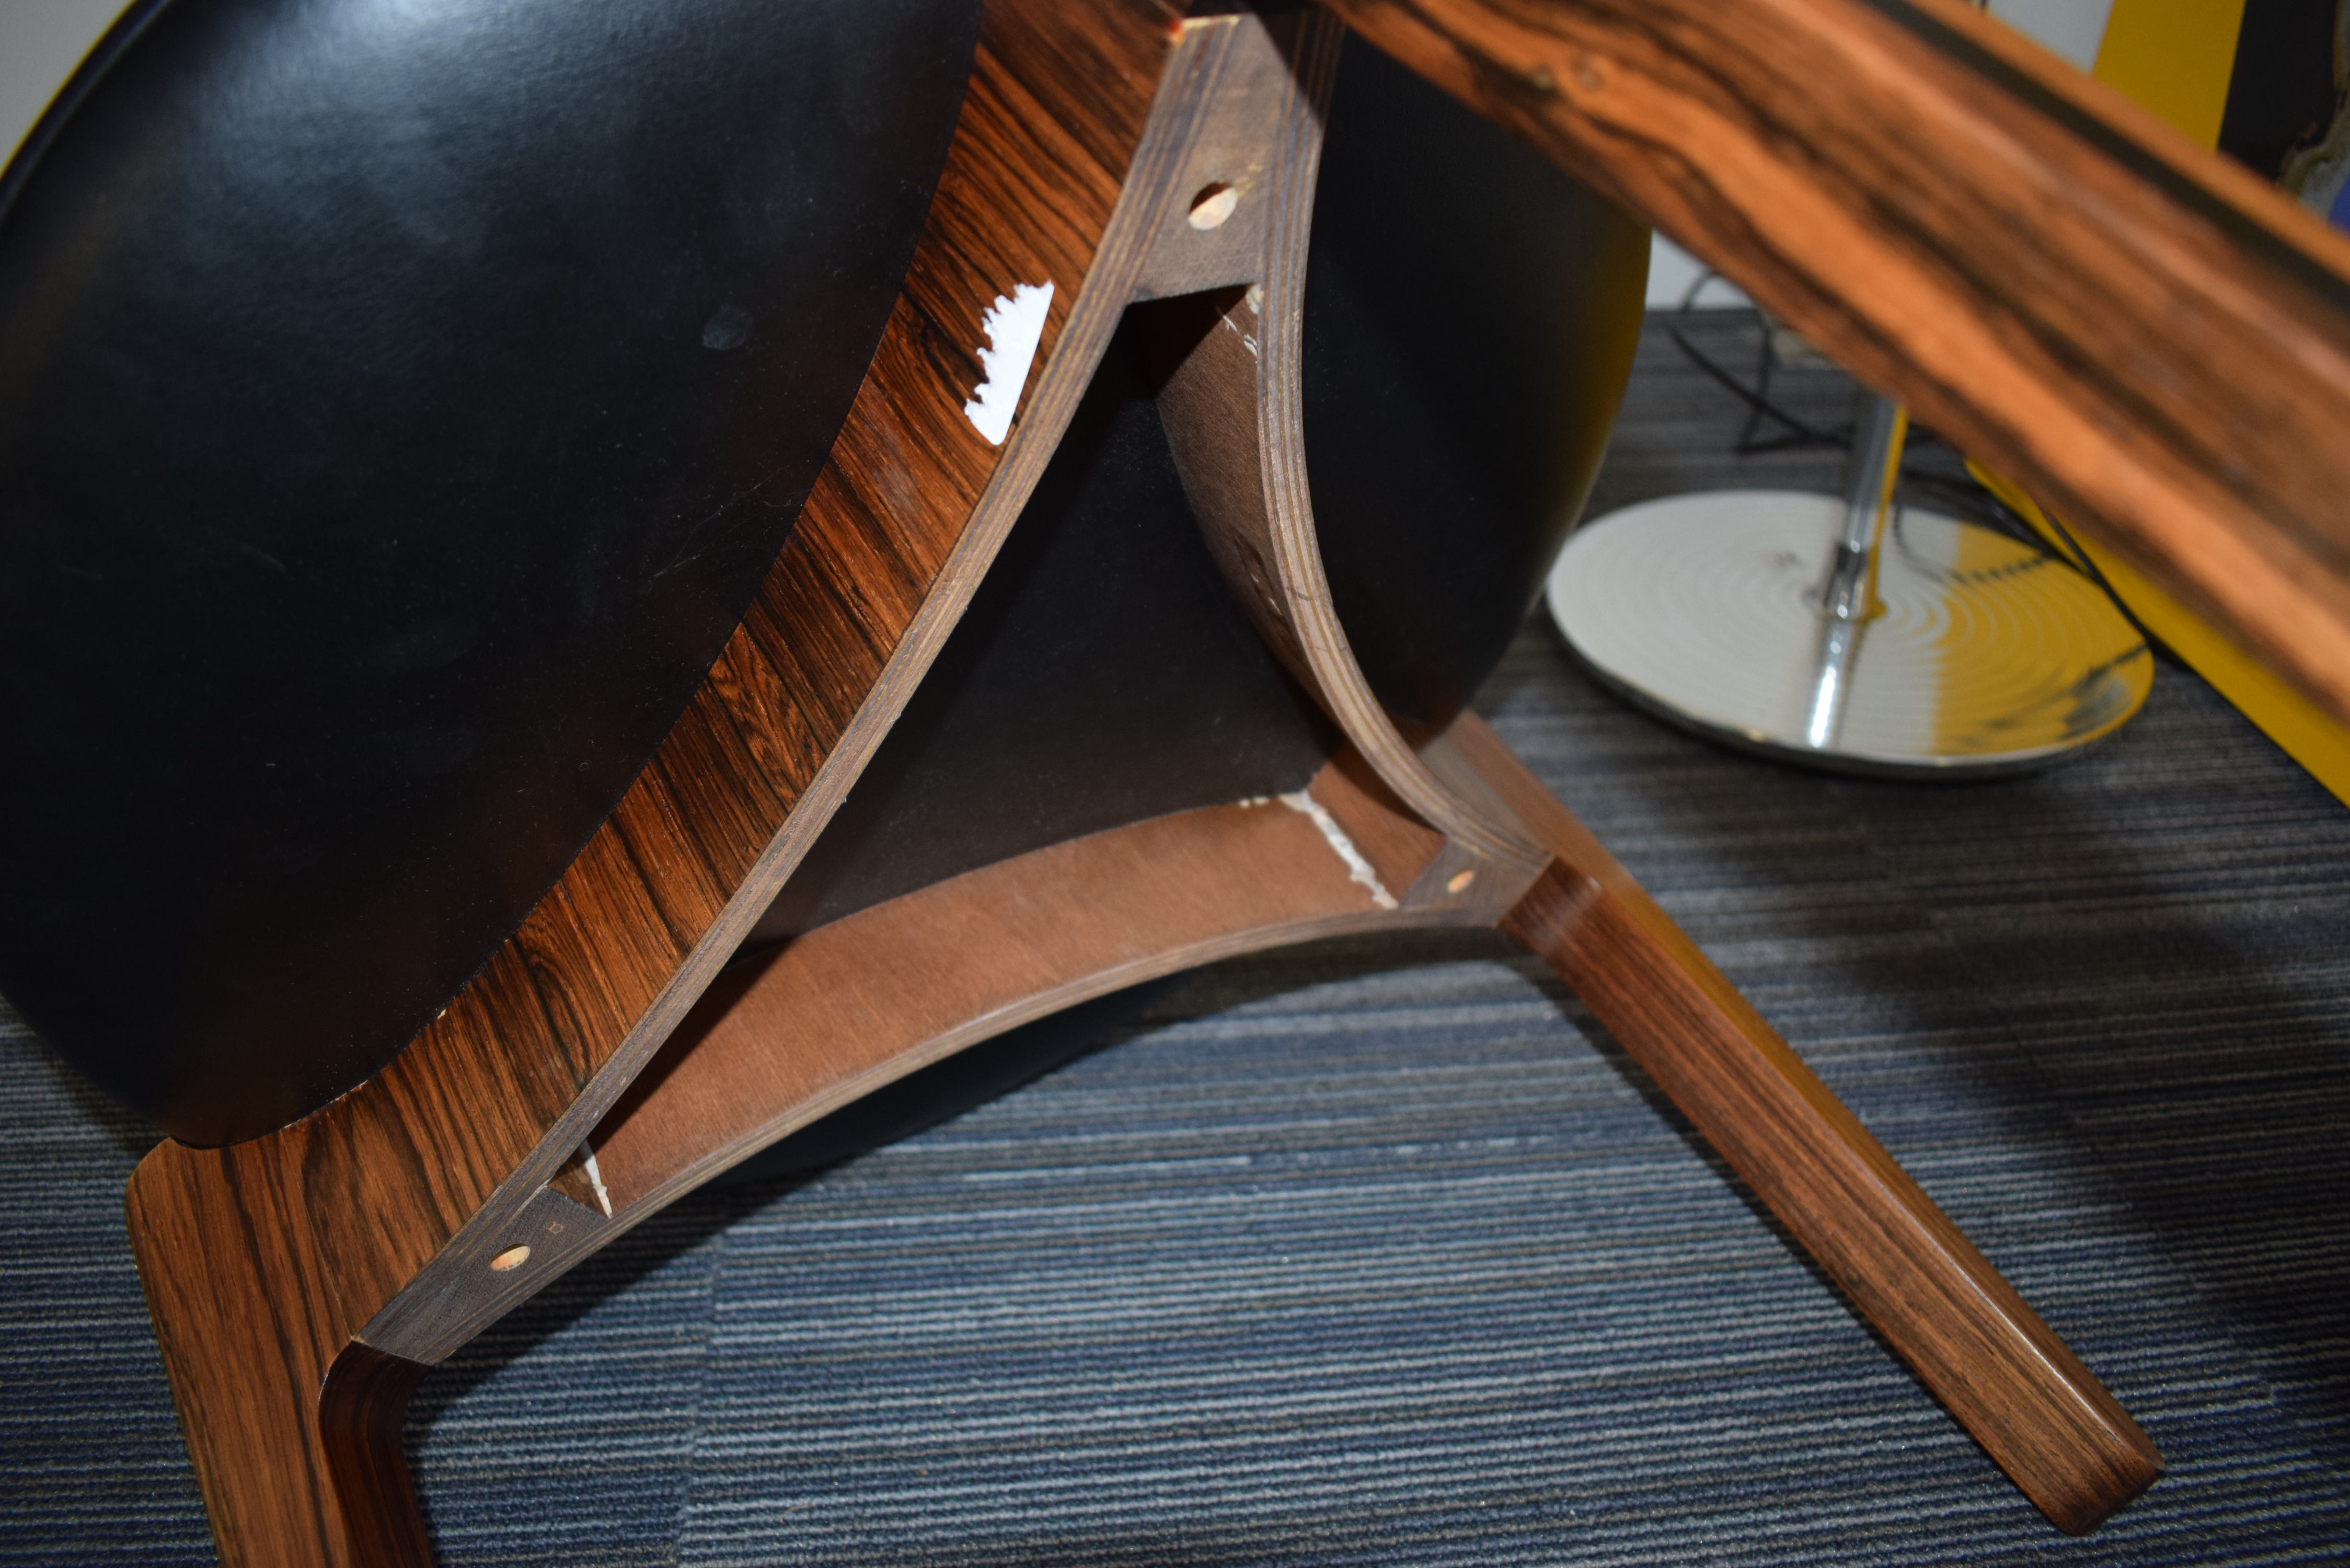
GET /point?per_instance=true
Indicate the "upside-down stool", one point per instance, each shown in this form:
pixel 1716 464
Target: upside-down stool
pixel 586 588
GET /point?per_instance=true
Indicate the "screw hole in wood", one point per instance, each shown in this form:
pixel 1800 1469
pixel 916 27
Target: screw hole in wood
pixel 1213 205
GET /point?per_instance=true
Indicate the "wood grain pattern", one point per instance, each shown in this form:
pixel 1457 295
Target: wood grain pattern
pixel 362 1409
pixel 1232 409
pixel 373 1220
pixel 248 1325
pixel 844 1009
pixel 2041 1415
pixel 2151 341
pixel 900 524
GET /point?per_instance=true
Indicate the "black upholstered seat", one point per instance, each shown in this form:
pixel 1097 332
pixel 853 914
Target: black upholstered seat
pixel 399 413
pixel 398 408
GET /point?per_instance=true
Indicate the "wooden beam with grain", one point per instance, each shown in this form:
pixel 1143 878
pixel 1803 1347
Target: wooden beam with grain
pixel 2154 341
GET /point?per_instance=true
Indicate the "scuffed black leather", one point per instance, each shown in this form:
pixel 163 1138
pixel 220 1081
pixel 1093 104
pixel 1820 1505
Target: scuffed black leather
pixel 399 403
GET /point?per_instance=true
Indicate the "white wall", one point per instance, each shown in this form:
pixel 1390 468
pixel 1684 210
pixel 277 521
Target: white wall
pixel 41 41
pixel 1672 271
pixel 2071 28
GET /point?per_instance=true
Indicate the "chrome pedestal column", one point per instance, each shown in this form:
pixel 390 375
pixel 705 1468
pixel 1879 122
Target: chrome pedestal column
pixel 1854 635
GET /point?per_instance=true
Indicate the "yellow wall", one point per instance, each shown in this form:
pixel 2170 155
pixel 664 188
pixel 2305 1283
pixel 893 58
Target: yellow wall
pixel 2173 57
pixel 2306 733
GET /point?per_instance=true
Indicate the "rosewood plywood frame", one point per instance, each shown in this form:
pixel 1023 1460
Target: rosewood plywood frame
pixel 1231 408
pixel 302 1282
pixel 282 1271
pixel 836 1013
pixel 2155 341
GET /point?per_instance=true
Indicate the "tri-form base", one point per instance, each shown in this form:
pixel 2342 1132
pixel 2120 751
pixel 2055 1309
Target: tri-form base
pixel 298 1440
pixel 1984 657
pixel 301 1281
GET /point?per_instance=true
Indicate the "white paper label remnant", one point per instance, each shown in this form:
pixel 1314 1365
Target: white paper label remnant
pixel 1358 868
pixel 1015 323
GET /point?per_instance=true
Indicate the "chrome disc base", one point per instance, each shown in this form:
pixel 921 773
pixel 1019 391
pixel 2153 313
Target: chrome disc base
pixel 1986 657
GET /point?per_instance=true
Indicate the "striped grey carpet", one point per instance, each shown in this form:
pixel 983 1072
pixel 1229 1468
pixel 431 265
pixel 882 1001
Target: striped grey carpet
pixel 1380 1252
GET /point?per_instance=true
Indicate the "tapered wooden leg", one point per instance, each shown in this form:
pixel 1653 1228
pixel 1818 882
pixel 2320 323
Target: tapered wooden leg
pixel 1966 1333
pixel 293 1425
pixel 1230 406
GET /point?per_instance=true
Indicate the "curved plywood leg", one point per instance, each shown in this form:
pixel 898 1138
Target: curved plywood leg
pixel 301 1429
pixel 294 1428
pixel 837 1012
pixel 1231 410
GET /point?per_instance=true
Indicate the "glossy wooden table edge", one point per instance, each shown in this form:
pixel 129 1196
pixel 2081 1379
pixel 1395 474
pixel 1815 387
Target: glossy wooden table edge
pixel 2174 375
pixel 2263 204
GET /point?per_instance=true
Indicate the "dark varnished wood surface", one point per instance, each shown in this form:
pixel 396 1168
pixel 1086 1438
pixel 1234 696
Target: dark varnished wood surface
pixel 248 1322
pixel 363 1408
pixel 2155 342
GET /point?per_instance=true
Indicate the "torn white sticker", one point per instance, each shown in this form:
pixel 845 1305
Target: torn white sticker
pixel 1247 340
pixel 1015 324
pixel 595 1178
pixel 1358 868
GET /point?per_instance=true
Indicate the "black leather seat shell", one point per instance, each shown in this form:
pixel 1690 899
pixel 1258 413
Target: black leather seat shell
pixel 1470 315
pixel 398 406
pixel 396 415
